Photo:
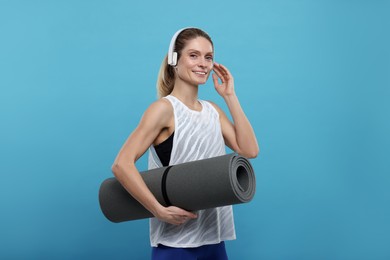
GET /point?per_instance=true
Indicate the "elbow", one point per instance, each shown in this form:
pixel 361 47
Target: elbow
pixel 121 168
pixel 251 154
pixel 117 169
pixel 114 168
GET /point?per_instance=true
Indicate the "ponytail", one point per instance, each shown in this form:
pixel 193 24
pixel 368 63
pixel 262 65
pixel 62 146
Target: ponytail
pixel 165 79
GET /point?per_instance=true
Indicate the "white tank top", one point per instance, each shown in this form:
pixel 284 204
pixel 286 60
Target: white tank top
pixel 197 136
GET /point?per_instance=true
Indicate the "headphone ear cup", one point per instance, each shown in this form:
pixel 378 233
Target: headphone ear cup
pixel 174 59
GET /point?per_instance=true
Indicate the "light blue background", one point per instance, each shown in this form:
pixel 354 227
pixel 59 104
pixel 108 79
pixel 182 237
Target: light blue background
pixel 312 76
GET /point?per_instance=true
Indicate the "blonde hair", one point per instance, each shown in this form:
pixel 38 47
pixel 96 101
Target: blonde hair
pixel 165 79
pixel 166 75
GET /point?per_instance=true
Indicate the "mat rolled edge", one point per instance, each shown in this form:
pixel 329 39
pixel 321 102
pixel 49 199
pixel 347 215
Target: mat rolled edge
pixel 243 180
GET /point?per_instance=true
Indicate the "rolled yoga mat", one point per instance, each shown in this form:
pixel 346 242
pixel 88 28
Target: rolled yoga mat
pixel 208 183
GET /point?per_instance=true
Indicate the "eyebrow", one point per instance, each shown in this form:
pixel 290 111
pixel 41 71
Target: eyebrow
pixel 193 50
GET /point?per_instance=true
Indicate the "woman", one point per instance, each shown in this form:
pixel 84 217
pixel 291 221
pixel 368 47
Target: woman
pixel 178 128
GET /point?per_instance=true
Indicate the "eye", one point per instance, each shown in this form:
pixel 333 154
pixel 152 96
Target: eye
pixel 209 58
pixel 193 56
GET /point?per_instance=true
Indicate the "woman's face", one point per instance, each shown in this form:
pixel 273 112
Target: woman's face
pixel 196 61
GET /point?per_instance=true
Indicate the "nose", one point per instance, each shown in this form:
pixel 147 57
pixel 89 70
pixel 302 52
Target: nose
pixel 203 63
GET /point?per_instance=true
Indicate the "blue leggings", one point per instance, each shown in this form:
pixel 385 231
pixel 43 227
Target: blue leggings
pixel 212 252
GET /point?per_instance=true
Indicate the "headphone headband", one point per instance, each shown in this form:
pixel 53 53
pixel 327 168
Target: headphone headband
pixel 172 55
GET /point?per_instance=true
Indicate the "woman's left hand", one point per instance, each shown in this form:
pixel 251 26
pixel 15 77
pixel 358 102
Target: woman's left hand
pixel 226 87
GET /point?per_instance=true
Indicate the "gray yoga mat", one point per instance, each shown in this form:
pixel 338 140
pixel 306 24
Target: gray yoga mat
pixel 208 183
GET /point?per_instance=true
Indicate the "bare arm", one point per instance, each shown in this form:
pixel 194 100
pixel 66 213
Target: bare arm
pixel 239 134
pixel 155 119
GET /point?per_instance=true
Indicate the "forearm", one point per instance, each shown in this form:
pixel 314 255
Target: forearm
pixel 132 181
pixel 245 136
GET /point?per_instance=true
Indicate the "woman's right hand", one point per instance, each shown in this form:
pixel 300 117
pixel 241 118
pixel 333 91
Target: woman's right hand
pixel 174 215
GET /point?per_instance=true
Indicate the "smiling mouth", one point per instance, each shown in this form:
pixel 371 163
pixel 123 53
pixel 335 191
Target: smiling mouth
pixel 200 72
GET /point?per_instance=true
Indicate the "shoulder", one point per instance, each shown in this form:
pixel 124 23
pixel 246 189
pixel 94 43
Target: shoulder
pixel 161 106
pixel 215 106
pixel 160 112
pixel 221 114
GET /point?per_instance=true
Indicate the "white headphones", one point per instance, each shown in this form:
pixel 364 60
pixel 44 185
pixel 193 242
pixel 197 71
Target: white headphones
pixel 172 55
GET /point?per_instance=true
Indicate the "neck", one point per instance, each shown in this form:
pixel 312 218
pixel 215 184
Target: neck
pixel 188 94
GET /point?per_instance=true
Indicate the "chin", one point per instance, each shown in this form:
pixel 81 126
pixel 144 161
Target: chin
pixel 201 82
pixel 198 82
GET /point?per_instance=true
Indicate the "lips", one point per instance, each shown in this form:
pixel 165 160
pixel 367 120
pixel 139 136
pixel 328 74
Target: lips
pixel 200 72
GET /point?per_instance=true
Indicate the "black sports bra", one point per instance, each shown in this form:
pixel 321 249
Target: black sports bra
pixel 164 150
